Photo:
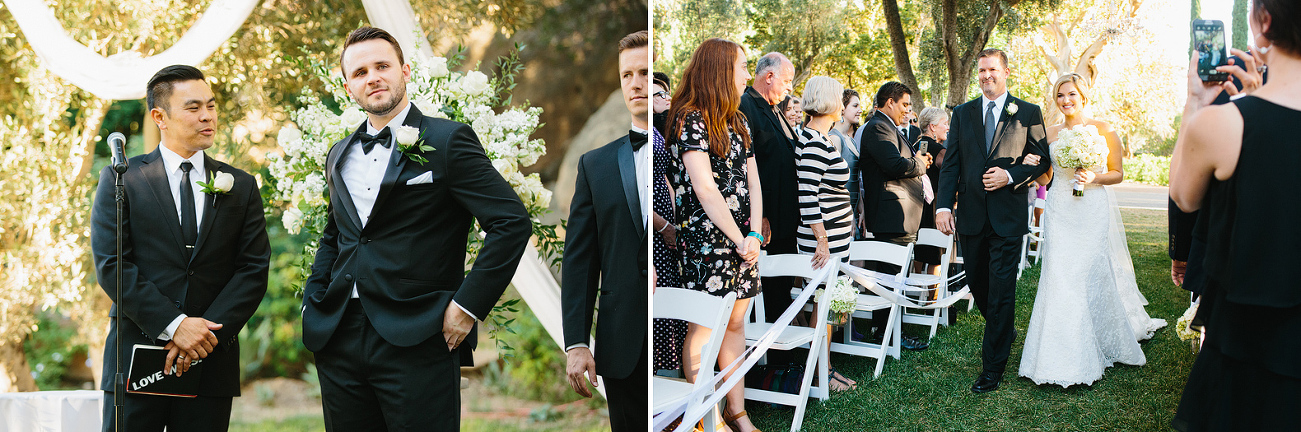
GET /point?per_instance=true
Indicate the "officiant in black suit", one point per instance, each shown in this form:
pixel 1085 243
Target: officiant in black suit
pixel 984 171
pixel 389 309
pixel 605 256
pixel 893 193
pixel 194 264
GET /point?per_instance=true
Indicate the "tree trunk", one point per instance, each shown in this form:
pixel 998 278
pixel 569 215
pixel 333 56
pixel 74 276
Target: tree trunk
pixel 94 111
pixel 899 46
pixel 1240 30
pixel 961 60
pixel 15 373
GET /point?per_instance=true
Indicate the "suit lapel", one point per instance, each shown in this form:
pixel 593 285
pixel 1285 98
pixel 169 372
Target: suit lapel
pixel 1004 119
pixel 397 160
pixel 155 172
pixel 338 154
pixel 772 117
pixel 628 172
pixel 211 205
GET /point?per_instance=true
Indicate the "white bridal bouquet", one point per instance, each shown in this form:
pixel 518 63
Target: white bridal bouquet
pixel 1082 147
pixel 841 298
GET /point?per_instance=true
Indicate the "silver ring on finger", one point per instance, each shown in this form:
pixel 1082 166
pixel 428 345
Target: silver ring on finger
pixel 1262 68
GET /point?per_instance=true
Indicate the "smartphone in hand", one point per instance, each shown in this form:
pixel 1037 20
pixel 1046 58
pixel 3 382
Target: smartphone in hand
pixel 1209 46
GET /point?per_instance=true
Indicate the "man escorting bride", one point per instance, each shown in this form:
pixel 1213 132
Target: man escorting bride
pixel 1088 313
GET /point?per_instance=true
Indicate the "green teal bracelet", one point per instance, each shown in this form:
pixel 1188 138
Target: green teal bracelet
pixel 756 235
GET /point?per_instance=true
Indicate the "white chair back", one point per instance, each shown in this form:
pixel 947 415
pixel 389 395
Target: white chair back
pixel 705 310
pixel 882 252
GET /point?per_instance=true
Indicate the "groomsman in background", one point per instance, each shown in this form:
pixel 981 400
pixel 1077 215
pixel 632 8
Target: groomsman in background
pixel 194 264
pixel 605 256
pixel 773 140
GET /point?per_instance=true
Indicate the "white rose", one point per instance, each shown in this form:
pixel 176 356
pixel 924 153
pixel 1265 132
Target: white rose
pixel 413 88
pixel 505 166
pixel 406 135
pixel 437 67
pixel 428 107
pixel 1012 108
pixel 289 135
pixel 474 83
pixel 352 117
pixel 293 220
pixel 223 182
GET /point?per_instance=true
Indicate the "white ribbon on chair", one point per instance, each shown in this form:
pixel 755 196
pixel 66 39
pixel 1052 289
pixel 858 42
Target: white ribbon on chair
pixel 890 288
pixel 741 365
pixel 122 76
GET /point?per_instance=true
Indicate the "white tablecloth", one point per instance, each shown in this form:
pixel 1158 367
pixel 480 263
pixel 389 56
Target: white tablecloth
pixel 51 411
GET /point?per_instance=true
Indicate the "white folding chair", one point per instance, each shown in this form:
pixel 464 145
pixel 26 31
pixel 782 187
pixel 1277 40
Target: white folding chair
pixel 792 337
pixel 881 252
pixel 708 311
pixel 1032 242
pixel 874 283
pixel 932 284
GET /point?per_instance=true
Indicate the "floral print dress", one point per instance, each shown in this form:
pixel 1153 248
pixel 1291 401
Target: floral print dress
pixel 710 262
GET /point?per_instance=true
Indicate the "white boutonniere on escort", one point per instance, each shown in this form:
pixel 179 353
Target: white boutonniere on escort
pixel 218 184
pixel 1012 108
pixel 409 141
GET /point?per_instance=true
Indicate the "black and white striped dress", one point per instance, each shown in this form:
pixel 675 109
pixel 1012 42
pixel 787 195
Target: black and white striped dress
pixel 824 198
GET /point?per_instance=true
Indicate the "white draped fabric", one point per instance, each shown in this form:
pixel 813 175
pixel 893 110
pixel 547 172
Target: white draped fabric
pixel 123 76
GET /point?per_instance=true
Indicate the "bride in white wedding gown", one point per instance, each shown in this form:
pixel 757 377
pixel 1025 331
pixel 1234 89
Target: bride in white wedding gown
pixel 1088 313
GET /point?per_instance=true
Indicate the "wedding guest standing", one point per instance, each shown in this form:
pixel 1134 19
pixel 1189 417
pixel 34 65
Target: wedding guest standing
pixel 194 264
pixel 660 100
pixel 774 150
pixel 793 106
pixel 719 200
pixel 841 134
pixel 824 202
pixel 934 125
pixel 1228 161
pixel 893 190
pixel 669 333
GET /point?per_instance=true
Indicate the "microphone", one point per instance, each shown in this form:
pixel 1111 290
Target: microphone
pixel 117 142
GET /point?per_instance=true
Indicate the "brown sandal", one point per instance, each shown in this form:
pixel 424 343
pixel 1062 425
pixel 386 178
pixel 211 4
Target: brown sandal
pixel 731 420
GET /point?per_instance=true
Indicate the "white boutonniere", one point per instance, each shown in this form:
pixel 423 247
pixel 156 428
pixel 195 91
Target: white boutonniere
pixel 409 142
pixel 1012 108
pixel 218 184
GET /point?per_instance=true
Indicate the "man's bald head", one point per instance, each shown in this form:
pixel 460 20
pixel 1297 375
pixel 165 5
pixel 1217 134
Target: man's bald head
pixel 774 77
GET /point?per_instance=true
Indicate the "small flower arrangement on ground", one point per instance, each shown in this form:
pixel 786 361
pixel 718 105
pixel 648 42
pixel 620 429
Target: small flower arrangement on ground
pixel 841 298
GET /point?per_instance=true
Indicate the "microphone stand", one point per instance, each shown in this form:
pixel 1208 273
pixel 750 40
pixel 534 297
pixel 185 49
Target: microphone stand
pixel 119 381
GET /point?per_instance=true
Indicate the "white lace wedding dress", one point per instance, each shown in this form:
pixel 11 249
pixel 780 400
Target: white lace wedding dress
pixel 1088 313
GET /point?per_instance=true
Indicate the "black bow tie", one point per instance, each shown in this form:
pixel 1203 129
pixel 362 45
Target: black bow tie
pixel 368 142
pixel 638 139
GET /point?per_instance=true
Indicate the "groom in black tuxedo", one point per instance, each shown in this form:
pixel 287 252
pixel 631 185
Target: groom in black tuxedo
pixel 389 307
pixel 194 264
pixel 605 256
pixel 988 142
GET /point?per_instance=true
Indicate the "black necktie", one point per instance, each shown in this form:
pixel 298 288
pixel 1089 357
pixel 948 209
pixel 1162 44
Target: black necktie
pixel 189 224
pixel 368 142
pixel 989 127
pixel 638 139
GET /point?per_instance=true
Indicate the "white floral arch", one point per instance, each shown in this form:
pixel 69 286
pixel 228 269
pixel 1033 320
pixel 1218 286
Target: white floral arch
pixel 123 76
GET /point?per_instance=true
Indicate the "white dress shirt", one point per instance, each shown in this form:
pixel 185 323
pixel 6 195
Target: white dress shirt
pixel 172 165
pixel 642 162
pixel 363 172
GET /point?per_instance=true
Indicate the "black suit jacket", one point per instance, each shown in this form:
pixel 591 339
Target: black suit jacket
pixel 774 154
pixel 605 248
pixel 966 161
pixel 893 195
pixel 408 262
pixel 223 281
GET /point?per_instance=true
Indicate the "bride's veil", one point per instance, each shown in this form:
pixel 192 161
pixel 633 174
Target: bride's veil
pixel 1126 283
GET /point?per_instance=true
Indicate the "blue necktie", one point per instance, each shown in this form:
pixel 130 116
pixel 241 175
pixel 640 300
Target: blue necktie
pixel 990 123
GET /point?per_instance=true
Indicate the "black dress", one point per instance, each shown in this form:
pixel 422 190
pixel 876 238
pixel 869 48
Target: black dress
pixel 1248 374
pixel 928 254
pixel 710 262
pixel 669 333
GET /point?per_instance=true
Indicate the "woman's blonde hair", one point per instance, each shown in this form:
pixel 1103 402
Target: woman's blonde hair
pixel 1080 87
pixel 822 96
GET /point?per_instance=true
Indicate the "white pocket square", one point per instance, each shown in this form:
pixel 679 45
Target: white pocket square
pixel 427 177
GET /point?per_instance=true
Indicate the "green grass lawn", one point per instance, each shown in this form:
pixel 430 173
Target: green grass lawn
pixel 317 423
pixel 930 390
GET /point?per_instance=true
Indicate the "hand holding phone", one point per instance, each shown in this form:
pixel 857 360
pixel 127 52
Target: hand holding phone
pixel 1209 44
